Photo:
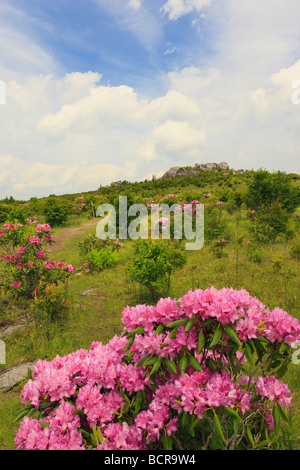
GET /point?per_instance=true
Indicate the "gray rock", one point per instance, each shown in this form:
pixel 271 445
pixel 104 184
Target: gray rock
pixel 224 166
pixel 171 172
pixel 11 329
pixel 180 171
pixel 186 172
pixel 211 166
pixel 13 376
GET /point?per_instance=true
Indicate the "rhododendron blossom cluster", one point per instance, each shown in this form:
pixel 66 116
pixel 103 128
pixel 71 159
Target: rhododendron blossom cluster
pixel 25 257
pixel 196 366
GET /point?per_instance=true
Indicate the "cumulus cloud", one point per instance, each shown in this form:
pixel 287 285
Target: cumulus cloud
pixel 176 141
pixel 26 179
pixel 135 4
pixel 69 132
pixel 177 8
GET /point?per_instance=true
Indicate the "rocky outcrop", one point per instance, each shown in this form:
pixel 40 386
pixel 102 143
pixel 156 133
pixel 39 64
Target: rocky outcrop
pixel 13 376
pixel 171 172
pixel 181 171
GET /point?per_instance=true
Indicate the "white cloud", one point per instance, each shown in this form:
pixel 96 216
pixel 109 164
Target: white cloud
pixel 136 17
pixel 174 140
pixel 177 8
pixel 135 4
pixel 25 179
pixel 192 80
pixel 68 132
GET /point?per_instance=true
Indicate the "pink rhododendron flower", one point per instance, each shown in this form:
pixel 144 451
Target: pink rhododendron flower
pixel 97 385
pixel 34 240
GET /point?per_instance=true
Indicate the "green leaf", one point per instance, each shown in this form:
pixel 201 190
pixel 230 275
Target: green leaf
pixel 276 417
pixel 21 414
pixel 232 335
pixel 233 414
pixel 177 323
pixel 137 331
pixel 282 413
pixel 248 354
pixel 201 341
pixel 156 366
pixel 167 442
pixel 234 424
pixel 218 429
pixel 260 350
pixel 195 422
pixel 281 371
pixel 159 329
pixel 150 361
pixel 190 324
pixel 183 363
pixel 94 441
pixel 173 333
pixel 123 394
pixel 217 336
pixel 185 419
pixel 138 401
pixel 249 435
pixel 171 365
pixel 210 363
pixel 208 322
pixel 97 436
pixel 129 344
pixel 263 444
pixel 141 361
pixel 194 363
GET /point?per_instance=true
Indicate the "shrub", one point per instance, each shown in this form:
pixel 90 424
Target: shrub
pixel 50 303
pixel 260 232
pixel 267 188
pixel 55 212
pixel 153 263
pixel 93 242
pixel 215 226
pixel 217 248
pixel 254 255
pixel 102 259
pixel 295 250
pixel 25 262
pixel 203 372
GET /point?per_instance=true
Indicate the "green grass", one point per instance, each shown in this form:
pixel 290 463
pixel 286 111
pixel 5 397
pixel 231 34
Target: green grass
pixel 97 317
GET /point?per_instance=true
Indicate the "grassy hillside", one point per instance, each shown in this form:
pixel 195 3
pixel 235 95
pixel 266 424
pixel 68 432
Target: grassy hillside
pixel 267 270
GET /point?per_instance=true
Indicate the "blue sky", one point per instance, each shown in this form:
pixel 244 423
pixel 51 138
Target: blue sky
pixel 98 90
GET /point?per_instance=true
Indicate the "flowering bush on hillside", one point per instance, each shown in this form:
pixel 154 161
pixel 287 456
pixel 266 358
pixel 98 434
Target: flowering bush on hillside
pixel 24 263
pixel 188 374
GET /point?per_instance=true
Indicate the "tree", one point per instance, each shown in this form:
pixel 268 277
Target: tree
pixel 266 188
pixel 56 213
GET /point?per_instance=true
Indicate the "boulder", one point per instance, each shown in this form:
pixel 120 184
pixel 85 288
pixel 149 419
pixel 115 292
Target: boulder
pixel 13 376
pixel 224 166
pixel 186 172
pixel 181 171
pixel 171 172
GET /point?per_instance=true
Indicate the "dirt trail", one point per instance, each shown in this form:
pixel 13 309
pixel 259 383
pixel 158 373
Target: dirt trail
pixel 66 233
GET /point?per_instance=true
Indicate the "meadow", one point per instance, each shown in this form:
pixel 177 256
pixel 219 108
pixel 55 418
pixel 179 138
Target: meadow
pixel 267 267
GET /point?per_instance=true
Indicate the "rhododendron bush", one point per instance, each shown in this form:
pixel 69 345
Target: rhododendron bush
pixel 201 372
pixel 24 262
